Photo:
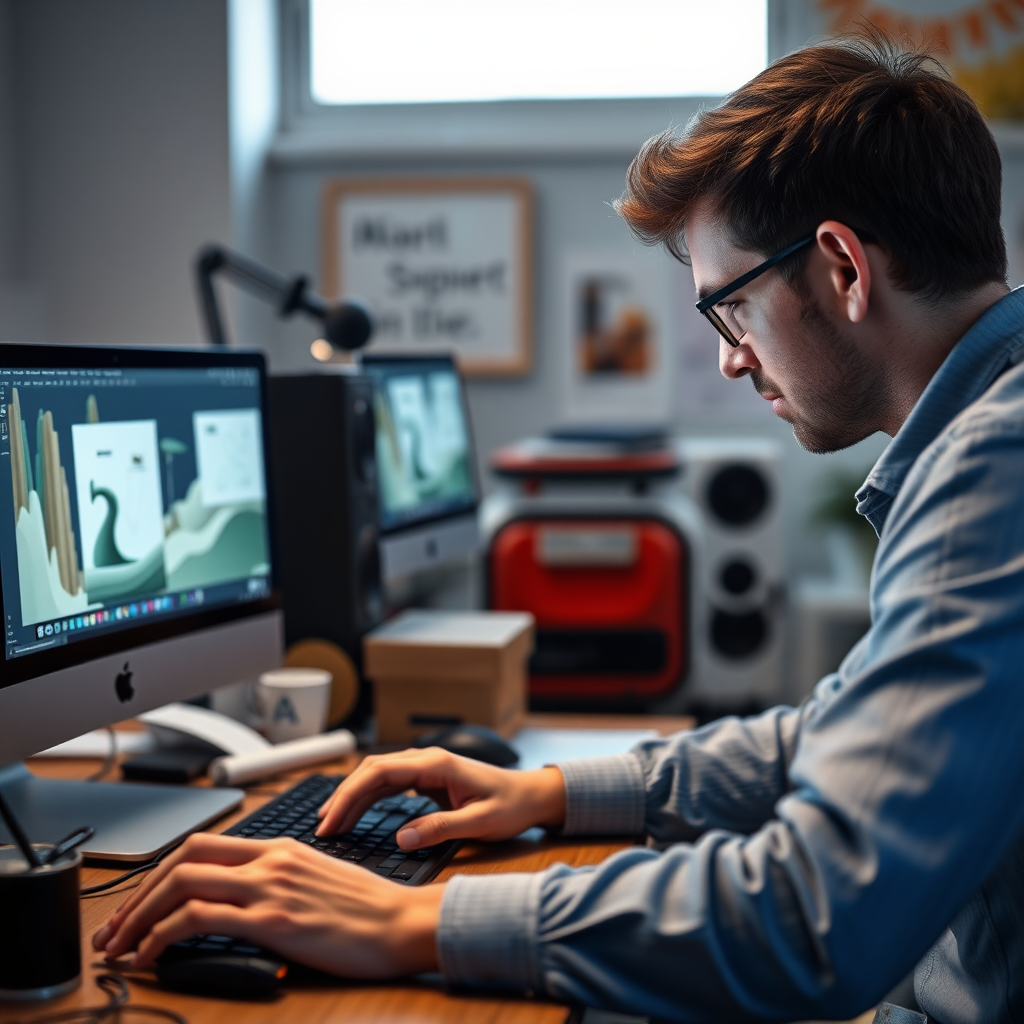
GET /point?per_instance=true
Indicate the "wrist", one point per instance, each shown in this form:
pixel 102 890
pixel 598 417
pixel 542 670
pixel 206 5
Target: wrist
pixel 415 931
pixel 549 795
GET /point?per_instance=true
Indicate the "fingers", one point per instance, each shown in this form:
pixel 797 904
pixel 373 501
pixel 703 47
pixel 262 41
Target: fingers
pixel 342 815
pixel 205 882
pixel 378 777
pixel 471 821
pixel 226 850
pixel 196 917
pixel 356 781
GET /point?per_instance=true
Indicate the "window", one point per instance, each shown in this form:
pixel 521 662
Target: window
pixel 457 51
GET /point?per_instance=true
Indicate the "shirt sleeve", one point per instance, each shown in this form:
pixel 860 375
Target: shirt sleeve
pixel 809 892
pixel 728 774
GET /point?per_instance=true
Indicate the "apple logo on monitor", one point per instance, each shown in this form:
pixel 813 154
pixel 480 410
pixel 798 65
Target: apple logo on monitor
pixel 123 685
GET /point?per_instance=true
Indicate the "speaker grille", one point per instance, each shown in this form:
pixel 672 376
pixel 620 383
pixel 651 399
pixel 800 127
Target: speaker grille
pixel 737 576
pixel 738 636
pixel 738 494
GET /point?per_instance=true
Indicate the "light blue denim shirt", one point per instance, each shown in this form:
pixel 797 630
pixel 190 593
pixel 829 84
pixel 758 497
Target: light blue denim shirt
pixel 820 852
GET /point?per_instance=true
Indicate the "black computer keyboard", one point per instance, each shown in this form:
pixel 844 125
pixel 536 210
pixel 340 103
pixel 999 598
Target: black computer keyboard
pixel 370 844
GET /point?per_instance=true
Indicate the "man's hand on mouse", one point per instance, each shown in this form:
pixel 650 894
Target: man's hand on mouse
pixel 481 801
pixel 308 907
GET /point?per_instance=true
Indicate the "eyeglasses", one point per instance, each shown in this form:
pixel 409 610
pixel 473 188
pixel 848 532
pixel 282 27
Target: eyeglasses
pixel 725 322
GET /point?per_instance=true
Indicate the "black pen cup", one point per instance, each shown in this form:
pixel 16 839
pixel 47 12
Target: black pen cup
pixel 40 925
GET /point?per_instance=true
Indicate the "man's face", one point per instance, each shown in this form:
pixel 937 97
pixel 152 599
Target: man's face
pixel 794 350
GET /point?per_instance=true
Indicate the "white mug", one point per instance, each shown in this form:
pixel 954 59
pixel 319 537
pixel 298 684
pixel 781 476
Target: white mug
pixel 293 702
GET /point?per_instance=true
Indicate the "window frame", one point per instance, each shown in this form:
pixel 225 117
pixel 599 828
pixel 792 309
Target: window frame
pixel 525 128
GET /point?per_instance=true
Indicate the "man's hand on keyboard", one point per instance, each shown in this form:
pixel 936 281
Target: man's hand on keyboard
pixel 483 802
pixel 277 893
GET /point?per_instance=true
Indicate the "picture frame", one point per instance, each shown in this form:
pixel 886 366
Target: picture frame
pixel 617 348
pixel 442 263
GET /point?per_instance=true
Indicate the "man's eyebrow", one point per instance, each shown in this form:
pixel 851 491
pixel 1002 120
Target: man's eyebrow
pixel 703 293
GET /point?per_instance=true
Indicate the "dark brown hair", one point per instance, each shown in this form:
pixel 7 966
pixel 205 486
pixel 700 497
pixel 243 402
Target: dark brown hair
pixel 857 130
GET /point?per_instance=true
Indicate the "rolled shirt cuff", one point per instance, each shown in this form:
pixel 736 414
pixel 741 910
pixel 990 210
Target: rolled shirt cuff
pixel 487 931
pixel 604 796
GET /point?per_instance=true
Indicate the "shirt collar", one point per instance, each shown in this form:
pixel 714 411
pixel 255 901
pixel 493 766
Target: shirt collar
pixel 989 345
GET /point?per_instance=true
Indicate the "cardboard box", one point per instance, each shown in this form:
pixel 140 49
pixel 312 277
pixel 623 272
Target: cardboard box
pixel 433 668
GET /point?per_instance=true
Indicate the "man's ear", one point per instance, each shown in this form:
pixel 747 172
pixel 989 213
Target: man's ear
pixel 848 268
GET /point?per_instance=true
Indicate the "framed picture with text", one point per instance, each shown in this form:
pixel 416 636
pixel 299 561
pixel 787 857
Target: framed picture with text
pixel 443 264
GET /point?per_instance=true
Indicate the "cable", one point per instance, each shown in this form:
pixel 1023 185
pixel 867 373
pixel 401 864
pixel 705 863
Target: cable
pixel 113 883
pixel 92 890
pixel 98 890
pixel 116 989
pixel 114 892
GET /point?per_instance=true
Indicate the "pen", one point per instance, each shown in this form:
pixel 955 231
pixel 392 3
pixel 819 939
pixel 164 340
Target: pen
pixel 69 842
pixel 15 829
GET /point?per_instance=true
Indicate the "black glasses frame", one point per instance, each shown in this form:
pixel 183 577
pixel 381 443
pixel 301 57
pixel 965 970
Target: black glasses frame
pixel 706 305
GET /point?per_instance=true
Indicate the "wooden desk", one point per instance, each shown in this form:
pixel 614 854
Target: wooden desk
pixel 402 1002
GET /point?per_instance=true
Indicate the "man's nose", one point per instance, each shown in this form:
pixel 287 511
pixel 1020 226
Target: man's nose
pixel 736 362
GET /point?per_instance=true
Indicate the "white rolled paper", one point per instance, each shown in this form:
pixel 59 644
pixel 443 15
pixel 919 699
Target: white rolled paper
pixel 240 768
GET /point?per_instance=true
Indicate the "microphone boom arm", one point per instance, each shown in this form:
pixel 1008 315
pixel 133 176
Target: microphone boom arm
pixel 346 325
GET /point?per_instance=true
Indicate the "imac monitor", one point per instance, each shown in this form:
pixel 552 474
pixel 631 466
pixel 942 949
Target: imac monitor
pixel 135 565
pixel 426 465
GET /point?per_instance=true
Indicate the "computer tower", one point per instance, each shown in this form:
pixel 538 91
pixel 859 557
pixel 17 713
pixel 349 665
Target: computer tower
pixel 325 487
pixel 739 592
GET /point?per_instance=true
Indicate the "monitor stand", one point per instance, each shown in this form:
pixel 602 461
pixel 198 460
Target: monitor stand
pixel 133 822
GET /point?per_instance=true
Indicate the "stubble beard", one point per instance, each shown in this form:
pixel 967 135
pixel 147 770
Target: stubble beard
pixel 834 392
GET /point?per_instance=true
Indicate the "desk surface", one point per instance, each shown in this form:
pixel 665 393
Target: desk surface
pixel 337 1001
pixel 404 1002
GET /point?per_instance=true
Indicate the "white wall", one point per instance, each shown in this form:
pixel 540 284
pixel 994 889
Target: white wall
pixel 123 148
pixel 20 308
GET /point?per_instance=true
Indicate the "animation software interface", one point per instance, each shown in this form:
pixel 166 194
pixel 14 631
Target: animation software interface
pixel 423 449
pixel 127 494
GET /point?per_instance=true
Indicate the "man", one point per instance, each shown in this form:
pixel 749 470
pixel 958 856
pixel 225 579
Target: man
pixel 841 212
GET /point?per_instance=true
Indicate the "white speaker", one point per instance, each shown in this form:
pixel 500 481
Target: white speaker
pixel 738 592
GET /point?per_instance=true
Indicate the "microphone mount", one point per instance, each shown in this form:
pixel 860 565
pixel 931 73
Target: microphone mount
pixel 347 326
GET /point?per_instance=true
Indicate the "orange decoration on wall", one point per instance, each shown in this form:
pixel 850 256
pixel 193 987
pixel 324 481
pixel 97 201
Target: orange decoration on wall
pixel 964 39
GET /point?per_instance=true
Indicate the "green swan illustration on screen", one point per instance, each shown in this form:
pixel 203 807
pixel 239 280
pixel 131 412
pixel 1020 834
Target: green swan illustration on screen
pixel 105 550
pixel 114 577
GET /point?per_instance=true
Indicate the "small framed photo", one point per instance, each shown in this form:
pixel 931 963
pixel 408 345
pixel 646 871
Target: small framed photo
pixel 444 264
pixel 618 358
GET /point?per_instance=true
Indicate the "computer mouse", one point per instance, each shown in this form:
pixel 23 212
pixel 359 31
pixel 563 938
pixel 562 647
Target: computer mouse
pixel 228 975
pixel 476 741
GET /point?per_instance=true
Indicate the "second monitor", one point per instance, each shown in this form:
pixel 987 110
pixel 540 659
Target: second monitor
pixel 426 465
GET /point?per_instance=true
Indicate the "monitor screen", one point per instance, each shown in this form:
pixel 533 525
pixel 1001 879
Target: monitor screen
pixel 133 497
pixel 425 462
